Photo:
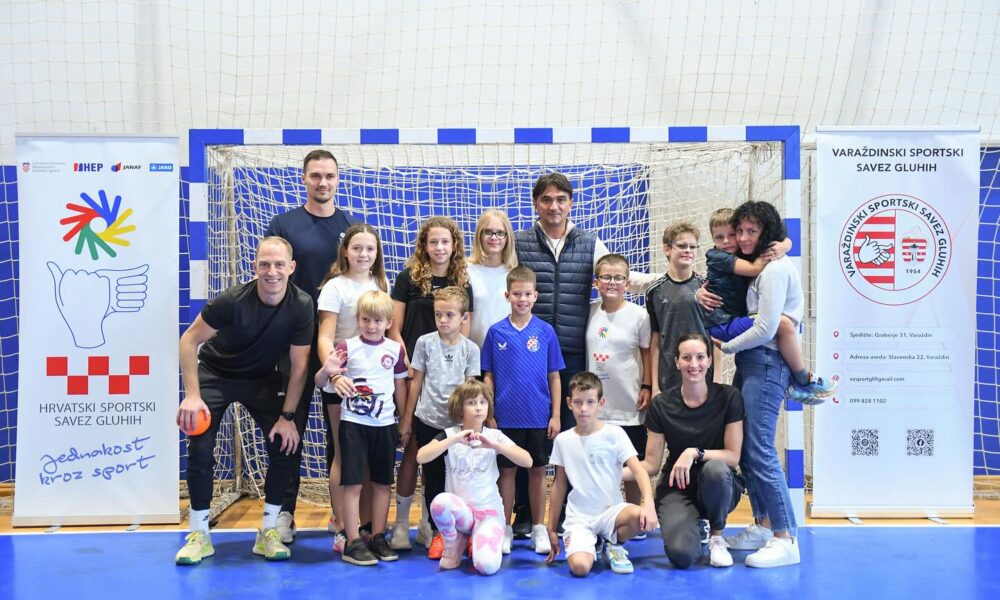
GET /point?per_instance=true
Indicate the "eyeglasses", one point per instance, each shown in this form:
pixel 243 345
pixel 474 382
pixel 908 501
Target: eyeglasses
pixel 610 278
pixel 686 247
pixel 497 234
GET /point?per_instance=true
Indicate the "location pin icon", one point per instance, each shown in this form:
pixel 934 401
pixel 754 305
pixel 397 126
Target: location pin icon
pixel 836 356
pixel 836 334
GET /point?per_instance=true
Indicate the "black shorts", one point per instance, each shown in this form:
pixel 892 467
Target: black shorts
pixel 331 398
pixel 637 434
pixel 365 446
pixel 535 441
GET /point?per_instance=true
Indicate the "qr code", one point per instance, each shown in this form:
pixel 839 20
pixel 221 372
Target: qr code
pixel 864 442
pixel 920 442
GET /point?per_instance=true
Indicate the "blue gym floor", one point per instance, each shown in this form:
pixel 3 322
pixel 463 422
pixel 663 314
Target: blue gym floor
pixel 952 562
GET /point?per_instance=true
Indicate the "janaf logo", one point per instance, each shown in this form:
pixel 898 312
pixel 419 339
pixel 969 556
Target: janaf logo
pixel 895 249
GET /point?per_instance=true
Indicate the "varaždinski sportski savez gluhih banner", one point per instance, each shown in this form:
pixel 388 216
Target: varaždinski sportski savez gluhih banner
pixel 896 321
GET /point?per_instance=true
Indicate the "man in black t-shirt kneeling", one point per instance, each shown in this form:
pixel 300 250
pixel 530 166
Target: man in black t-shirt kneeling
pixel 242 333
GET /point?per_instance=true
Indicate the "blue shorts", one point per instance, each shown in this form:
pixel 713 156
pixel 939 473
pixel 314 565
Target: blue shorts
pixel 731 329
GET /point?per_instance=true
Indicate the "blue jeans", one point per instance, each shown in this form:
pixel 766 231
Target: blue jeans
pixel 765 378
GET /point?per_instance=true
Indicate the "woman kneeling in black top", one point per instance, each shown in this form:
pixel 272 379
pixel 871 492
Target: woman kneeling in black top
pixel 701 425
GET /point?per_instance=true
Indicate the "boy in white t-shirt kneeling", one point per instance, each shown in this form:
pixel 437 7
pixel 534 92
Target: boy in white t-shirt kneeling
pixel 590 457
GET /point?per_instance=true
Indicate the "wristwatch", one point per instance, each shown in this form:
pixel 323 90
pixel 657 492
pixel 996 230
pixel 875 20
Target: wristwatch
pixel 701 455
pixel 288 415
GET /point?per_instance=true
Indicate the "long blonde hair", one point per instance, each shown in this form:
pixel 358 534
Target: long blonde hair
pixel 508 257
pixel 341 266
pixel 420 263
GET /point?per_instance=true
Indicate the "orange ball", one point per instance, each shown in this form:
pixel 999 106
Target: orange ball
pixel 201 423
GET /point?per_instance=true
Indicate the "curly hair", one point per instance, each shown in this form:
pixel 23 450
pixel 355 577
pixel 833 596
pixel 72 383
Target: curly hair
pixel 420 263
pixel 772 227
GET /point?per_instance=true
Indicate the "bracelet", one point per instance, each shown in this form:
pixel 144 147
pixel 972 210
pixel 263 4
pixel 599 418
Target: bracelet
pixel 333 378
pixel 646 386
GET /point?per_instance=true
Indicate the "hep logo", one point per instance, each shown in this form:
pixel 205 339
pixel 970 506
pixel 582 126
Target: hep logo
pixel 98 224
pixel 93 167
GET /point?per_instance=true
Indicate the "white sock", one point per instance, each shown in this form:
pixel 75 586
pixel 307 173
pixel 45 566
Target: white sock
pixel 403 504
pixel 198 520
pixel 271 515
pixel 424 516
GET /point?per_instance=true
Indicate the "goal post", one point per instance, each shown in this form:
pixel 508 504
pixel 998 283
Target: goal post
pixel 630 182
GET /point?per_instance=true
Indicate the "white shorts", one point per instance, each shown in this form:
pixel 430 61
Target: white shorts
pixel 581 534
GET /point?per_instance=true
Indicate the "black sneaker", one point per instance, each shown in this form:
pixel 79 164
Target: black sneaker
pixel 357 553
pixel 703 529
pixel 522 524
pixel 380 548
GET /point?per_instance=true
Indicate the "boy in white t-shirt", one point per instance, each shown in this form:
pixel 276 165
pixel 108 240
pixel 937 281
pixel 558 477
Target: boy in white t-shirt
pixel 590 457
pixel 618 353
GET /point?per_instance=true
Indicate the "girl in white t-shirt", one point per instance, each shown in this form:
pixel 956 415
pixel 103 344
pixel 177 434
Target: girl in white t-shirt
pixel 492 257
pixel 471 504
pixel 358 269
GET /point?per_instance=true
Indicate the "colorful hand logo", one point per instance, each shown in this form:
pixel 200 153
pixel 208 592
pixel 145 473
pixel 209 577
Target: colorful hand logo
pixel 82 224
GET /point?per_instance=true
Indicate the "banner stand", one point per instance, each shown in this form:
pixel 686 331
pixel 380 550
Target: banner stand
pixel 99 281
pixel 897 222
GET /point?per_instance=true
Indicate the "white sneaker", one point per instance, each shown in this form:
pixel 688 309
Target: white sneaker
pixel 339 542
pixel 508 539
pixel 718 552
pixel 751 538
pixel 425 535
pixel 540 539
pixel 401 536
pixel 778 552
pixel 618 558
pixel 286 527
pixel 331 526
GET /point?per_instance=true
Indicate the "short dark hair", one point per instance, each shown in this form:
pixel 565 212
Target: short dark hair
pixel 583 381
pixel 772 227
pixel 687 337
pixel 553 179
pixel 318 154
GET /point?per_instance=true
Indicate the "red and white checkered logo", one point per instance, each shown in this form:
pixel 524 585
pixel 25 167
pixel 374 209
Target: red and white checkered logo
pixel 914 249
pixel 99 367
pixel 601 358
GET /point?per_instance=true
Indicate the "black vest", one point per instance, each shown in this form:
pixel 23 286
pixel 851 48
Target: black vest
pixel 564 287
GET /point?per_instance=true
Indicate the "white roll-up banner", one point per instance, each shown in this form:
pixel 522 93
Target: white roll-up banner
pixel 897 223
pixel 97 374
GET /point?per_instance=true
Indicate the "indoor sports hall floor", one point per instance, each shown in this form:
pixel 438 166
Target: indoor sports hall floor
pixel 879 559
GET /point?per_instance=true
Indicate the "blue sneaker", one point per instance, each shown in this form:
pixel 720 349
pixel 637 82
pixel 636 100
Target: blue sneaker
pixel 813 393
pixel 617 557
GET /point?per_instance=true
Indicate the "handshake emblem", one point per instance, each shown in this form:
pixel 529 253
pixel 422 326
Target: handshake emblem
pixel 86 298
